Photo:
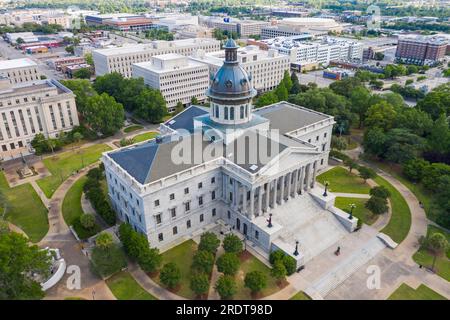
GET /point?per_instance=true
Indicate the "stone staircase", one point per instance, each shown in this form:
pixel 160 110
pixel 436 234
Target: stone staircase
pixel 304 220
pixel 332 279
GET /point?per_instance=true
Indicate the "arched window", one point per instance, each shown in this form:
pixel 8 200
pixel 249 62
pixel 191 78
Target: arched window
pixel 226 113
pixel 242 112
pixel 217 111
pixel 231 113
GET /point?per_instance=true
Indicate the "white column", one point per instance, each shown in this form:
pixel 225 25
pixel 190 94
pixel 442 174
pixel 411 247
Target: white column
pixel 259 212
pixel 267 196
pixel 274 195
pixel 296 176
pixel 252 202
pixel 302 179
pixel 308 176
pixel 244 199
pixel 289 185
pixel 313 182
pixel 282 189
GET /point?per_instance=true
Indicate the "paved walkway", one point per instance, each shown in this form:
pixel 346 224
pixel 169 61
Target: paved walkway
pixel 351 195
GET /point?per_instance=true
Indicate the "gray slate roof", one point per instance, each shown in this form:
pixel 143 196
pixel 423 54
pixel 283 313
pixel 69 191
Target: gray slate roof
pixel 185 119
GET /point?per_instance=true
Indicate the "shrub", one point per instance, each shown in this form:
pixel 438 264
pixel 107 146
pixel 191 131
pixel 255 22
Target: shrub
pixel 377 205
pixel 135 243
pixel 200 283
pixel 226 287
pixel 275 256
pixel 232 243
pixel 104 240
pixel 203 261
pixel 414 169
pixel 290 264
pixel 380 191
pixel 150 260
pixel 209 242
pixel 87 221
pixel 170 275
pixel 366 173
pixel 279 270
pixel 228 263
pixel 339 143
pixel 255 281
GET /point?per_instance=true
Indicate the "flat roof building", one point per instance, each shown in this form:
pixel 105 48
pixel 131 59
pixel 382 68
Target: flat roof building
pixel 120 59
pixel 295 26
pixel 244 28
pixel 421 50
pixel 20 70
pixel 177 77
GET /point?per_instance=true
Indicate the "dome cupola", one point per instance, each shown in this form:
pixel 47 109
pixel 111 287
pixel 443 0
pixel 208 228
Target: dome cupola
pixel 231 90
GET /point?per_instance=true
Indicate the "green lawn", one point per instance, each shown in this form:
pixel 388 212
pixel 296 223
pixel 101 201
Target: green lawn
pixel 132 128
pixel 253 264
pixel 182 256
pixel 405 292
pixel 64 164
pixel 423 257
pixel 72 211
pixel 25 209
pixel 300 296
pixel 145 136
pixel 124 287
pixel 360 211
pixel 400 222
pixel 341 180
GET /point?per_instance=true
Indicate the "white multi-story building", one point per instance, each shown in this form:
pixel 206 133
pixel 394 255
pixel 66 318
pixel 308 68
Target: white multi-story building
pixel 120 59
pixel 244 28
pixel 321 51
pixel 297 26
pixel 19 70
pixel 26 109
pixel 266 68
pixel 233 168
pixel 177 77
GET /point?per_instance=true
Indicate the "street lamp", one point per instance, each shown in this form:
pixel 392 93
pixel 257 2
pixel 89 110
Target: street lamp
pixel 352 206
pixel 296 248
pixel 326 188
pixel 269 221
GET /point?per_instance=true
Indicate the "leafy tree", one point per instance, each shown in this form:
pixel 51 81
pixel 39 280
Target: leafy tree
pixel 133 242
pixel 200 283
pixel 266 99
pixel 203 261
pixel 437 244
pixel 20 40
pixel 415 120
pixel 232 243
pixel 209 242
pixel 350 164
pixel 360 102
pixel 77 136
pixel 296 88
pixel 87 221
pixel 110 83
pixel 282 92
pixel 436 102
pixel 279 270
pixel 179 107
pixel 366 173
pixel 70 49
pixel 432 173
pixel 255 281
pixel 275 256
pixel 226 287
pixel 228 263
pixel 380 191
pixel 338 143
pixel 89 59
pixel 151 105
pixel 346 86
pixel 104 240
pixel 107 261
pixel 287 81
pixel 439 138
pixel 18 261
pixel 381 115
pixel 82 89
pixel 83 73
pixel 104 114
pixel 194 100
pixel 377 205
pixel 170 275
pixel 374 141
pixel 150 260
pixel 414 169
pixel 402 146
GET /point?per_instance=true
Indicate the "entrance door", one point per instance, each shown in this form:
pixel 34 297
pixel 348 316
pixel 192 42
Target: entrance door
pixel 245 229
pixel 238 224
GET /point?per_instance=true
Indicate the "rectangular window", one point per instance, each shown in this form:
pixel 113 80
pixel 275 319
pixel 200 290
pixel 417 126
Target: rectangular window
pixel 231 196
pixel 188 224
pixel 200 185
pixel 175 230
pixel 186 190
pixel 22 120
pixel 158 218
pixel 13 118
pixel 213 180
pixel 5 123
pixel 38 117
pixel 172 196
pixel 160 237
pixel 213 195
pixel 30 120
pixel 201 217
pixel 229 214
pixel 256 234
pixel 200 201
pixel 214 212
pixel 52 115
pixel 173 212
pixel 61 115
pixel 187 206
pixel 156 202
pixel 69 113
